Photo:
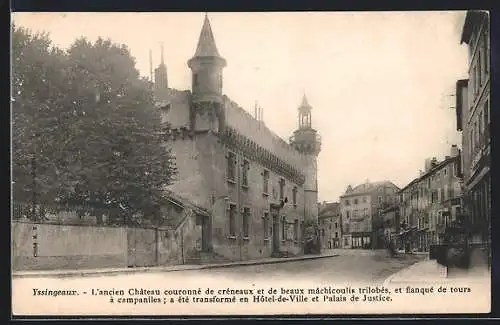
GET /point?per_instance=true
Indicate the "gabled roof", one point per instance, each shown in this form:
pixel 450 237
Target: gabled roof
pixel 185 203
pixel 431 171
pixel 329 209
pixel 368 187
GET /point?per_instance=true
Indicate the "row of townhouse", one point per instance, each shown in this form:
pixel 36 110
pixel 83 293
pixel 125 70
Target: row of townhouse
pixel 430 204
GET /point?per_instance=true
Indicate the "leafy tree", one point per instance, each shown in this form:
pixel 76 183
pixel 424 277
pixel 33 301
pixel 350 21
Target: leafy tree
pixel 120 165
pixel 85 130
pixel 38 95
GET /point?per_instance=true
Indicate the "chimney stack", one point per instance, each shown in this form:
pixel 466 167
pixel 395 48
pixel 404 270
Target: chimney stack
pixel 428 165
pixel 454 150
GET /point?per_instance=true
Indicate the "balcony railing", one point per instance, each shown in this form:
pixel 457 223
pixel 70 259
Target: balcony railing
pixel 481 143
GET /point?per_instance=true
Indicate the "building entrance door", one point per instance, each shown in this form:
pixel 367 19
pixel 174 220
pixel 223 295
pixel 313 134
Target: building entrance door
pixel 205 234
pixel 276 232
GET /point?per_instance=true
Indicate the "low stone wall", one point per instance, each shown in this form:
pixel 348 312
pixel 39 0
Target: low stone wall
pixel 47 246
pixel 53 246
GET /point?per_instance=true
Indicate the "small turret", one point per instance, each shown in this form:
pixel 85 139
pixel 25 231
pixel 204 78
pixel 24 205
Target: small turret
pixel 161 78
pixel 306 139
pixel 206 66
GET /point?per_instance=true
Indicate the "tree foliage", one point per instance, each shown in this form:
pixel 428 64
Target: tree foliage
pixel 86 120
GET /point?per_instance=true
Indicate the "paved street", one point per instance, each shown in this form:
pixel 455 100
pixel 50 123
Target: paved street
pixel 340 269
pixel 97 292
pixel 348 266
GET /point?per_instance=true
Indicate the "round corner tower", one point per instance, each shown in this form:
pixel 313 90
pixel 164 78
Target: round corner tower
pixel 307 141
pixel 206 66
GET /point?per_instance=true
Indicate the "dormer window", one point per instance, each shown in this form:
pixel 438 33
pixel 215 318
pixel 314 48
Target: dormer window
pixel 195 81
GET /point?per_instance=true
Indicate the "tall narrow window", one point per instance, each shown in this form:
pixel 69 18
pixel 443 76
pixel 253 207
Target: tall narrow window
pixel 478 76
pixel 266 181
pixel 294 196
pixel 481 127
pixel 283 228
pixel 231 161
pixel 232 220
pixel 480 65
pixel 296 230
pixel 195 81
pixel 265 220
pixel 486 120
pixel 476 136
pixel 246 167
pixel 471 140
pixel 485 42
pixel 246 222
pixel 282 188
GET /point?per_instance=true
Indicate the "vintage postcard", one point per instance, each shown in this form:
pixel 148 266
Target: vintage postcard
pixel 273 163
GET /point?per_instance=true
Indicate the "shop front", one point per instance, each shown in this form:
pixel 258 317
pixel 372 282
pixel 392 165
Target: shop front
pixel 361 240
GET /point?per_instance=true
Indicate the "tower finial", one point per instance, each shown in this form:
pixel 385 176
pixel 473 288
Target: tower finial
pixel 304 100
pixel 151 65
pixel 162 62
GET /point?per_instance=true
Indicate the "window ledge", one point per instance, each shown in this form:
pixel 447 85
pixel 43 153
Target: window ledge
pixel 231 181
pixel 246 238
pixel 267 239
pixel 245 186
pixel 265 194
pixel 231 237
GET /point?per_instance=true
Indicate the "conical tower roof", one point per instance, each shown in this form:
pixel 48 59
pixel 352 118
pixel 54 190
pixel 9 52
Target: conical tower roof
pixel 304 106
pixel 206 42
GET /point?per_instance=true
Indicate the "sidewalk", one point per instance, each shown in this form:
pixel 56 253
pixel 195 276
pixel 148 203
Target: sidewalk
pixel 429 271
pixel 161 269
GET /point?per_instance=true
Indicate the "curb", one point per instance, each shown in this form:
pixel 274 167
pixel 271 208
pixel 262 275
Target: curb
pixel 104 272
pixel 388 280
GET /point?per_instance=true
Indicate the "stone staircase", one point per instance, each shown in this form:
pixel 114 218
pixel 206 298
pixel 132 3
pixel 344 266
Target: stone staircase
pixel 206 258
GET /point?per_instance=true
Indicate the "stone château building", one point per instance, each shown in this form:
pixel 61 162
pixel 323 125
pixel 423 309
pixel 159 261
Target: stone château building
pixel 259 189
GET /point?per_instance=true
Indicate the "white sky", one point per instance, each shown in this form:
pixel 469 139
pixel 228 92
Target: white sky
pixel 379 83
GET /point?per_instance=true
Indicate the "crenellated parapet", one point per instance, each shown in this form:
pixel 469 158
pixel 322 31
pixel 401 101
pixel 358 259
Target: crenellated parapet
pixel 234 139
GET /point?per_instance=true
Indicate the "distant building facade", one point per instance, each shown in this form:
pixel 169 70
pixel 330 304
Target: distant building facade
pixel 330 225
pixel 361 208
pixel 390 223
pixel 259 189
pixel 473 119
pixel 430 203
